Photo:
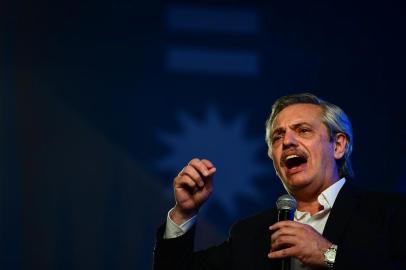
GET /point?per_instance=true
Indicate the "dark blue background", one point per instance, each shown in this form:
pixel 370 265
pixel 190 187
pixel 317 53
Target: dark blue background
pixel 103 102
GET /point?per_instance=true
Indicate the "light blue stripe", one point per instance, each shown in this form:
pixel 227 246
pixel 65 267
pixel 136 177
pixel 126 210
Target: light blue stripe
pixel 191 60
pixel 219 20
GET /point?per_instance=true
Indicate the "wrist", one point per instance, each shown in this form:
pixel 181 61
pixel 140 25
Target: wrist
pixel 179 217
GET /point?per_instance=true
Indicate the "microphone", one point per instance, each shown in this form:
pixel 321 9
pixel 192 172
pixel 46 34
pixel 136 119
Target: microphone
pixel 286 206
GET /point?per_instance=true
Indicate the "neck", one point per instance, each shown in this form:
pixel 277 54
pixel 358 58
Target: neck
pixel 307 197
pixel 310 207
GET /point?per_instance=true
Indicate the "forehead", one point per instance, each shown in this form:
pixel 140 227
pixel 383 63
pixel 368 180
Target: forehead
pixel 297 113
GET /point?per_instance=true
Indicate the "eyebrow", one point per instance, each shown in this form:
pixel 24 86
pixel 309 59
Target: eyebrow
pixel 278 130
pixel 301 124
pixel 294 126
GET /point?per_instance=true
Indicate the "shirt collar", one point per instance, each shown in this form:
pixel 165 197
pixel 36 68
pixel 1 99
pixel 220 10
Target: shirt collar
pixel 326 198
pixel 329 195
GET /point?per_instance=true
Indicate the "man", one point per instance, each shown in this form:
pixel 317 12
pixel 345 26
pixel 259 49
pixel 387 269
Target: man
pixel 335 226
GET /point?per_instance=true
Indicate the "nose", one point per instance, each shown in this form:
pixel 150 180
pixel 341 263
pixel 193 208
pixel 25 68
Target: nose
pixel 289 139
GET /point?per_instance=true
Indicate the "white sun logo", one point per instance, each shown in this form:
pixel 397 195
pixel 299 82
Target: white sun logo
pixel 226 145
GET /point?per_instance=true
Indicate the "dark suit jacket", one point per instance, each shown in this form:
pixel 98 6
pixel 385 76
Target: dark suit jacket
pixel 368 228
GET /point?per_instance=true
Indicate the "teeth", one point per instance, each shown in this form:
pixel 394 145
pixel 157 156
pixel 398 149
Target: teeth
pixel 291 156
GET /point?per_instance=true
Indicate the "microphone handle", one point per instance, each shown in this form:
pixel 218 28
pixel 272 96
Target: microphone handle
pixel 285 214
pixel 285 264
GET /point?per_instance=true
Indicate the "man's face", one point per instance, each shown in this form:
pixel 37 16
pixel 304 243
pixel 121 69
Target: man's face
pixel 302 152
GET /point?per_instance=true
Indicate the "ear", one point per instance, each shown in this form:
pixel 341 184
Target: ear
pixel 340 143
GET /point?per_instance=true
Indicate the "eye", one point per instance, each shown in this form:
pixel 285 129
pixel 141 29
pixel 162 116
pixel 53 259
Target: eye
pixel 276 137
pixel 304 130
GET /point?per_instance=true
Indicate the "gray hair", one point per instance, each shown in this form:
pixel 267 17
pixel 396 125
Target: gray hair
pixel 333 117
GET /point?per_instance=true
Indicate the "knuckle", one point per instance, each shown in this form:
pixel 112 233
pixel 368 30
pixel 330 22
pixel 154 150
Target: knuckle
pixel 186 170
pixel 177 179
pixel 207 161
pixel 184 179
pixel 189 170
pixel 182 171
pixel 191 183
pixel 194 161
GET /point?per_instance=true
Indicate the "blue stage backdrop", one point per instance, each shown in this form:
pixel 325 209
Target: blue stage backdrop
pixel 105 101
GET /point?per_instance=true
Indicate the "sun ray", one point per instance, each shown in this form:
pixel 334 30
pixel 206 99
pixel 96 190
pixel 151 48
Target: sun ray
pixel 227 146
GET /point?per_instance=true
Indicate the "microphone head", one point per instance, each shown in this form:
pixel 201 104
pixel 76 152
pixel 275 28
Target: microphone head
pixel 286 202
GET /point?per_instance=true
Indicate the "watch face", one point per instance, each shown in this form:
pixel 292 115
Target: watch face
pixel 330 256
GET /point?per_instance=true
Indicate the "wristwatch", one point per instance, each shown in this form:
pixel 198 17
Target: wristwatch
pixel 330 256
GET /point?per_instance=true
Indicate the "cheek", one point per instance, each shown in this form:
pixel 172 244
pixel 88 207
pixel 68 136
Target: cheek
pixel 273 153
pixel 317 155
pixel 276 162
pixel 326 155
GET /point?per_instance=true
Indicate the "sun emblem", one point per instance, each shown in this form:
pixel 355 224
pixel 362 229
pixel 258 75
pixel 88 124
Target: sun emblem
pixel 227 146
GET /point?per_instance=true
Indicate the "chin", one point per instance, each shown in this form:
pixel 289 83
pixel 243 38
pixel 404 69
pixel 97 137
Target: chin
pixel 296 181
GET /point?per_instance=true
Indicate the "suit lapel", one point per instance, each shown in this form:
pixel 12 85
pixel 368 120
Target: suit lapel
pixel 262 246
pixel 340 215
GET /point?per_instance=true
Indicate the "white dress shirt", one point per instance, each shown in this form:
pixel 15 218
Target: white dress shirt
pixel 172 230
pixel 317 221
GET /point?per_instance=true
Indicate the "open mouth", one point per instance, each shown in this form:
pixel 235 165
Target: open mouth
pixel 293 161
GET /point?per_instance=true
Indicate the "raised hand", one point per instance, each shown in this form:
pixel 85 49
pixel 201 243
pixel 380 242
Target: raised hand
pixel 192 187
